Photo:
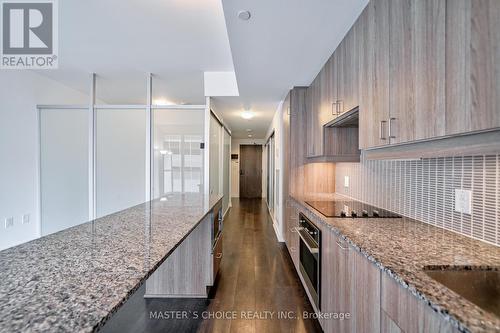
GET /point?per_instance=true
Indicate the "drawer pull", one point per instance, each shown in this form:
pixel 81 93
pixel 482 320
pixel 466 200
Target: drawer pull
pixel 219 255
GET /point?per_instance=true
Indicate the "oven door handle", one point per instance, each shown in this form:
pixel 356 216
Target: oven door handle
pixel 308 241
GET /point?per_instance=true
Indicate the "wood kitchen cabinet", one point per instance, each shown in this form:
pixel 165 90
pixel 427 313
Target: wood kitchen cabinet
pixel 472 65
pixel 428 69
pixel 190 268
pixel 350 284
pixel 365 293
pixel 404 311
pixel 317 112
pixel 374 74
pixel 291 234
pixel 336 272
pixel 346 71
pixel 335 90
pixel 417 71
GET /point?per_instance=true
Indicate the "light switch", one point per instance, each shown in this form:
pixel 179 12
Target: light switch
pixel 463 201
pixel 346 181
pixel 9 222
pixel 26 218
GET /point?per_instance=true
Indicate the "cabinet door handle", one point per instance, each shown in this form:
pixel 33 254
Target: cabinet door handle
pixel 293 229
pixel 391 136
pixel 292 248
pixel 340 107
pixel 336 112
pixel 344 248
pixel 219 255
pixel 382 136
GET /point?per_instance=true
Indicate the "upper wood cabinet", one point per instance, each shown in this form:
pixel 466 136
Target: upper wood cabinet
pixel 472 65
pixel 374 74
pixel 320 95
pixel 314 127
pixel 428 69
pixel 346 66
pixel 334 90
pixel 416 70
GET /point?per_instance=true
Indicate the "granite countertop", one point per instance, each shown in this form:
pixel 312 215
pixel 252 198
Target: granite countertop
pixel 403 247
pixel 75 279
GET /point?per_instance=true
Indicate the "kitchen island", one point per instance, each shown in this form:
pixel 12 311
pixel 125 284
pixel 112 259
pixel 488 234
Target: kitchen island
pixel 75 279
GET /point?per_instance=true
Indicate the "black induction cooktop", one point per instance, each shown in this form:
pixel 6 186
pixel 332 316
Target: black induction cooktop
pixel 350 208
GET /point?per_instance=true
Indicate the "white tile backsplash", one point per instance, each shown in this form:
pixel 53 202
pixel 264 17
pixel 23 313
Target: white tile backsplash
pixel 425 190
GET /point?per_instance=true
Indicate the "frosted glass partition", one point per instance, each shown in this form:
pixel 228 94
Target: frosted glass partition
pixel 215 155
pixel 226 167
pixel 178 162
pixel 63 168
pixel 120 159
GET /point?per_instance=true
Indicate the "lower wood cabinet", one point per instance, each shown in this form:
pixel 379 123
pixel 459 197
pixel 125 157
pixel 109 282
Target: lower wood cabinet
pixel 350 286
pixel 365 294
pixel 404 311
pixel 291 234
pixel 336 274
pixel 188 270
pixel 387 325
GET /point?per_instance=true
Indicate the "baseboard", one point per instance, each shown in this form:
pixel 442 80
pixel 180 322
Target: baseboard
pixel 280 238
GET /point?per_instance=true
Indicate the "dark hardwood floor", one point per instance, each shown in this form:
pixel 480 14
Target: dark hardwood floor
pixel 256 284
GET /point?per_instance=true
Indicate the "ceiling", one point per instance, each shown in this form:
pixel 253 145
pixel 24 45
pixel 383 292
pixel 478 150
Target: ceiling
pixel 122 40
pixel 284 44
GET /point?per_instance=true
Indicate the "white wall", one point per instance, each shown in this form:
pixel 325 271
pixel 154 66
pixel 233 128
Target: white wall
pixel 277 127
pixel 235 166
pixel 20 92
pixel 64 175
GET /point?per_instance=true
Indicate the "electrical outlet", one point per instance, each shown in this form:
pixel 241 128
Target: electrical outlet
pixel 9 222
pixel 26 218
pixel 463 201
pixel 346 181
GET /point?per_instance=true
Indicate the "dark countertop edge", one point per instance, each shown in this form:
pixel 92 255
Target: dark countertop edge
pixel 438 309
pixel 103 320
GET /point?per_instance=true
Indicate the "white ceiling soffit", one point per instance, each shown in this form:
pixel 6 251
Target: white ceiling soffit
pixel 221 84
pixel 122 40
pixel 284 44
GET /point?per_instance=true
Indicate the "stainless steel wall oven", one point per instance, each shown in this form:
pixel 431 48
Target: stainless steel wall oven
pixel 310 257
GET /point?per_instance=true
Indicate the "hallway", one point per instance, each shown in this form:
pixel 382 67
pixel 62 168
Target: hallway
pixel 257 279
pixel 257 275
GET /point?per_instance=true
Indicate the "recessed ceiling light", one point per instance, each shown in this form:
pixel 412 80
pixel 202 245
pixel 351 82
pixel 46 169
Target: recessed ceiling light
pixel 244 15
pixel 249 135
pixel 247 115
